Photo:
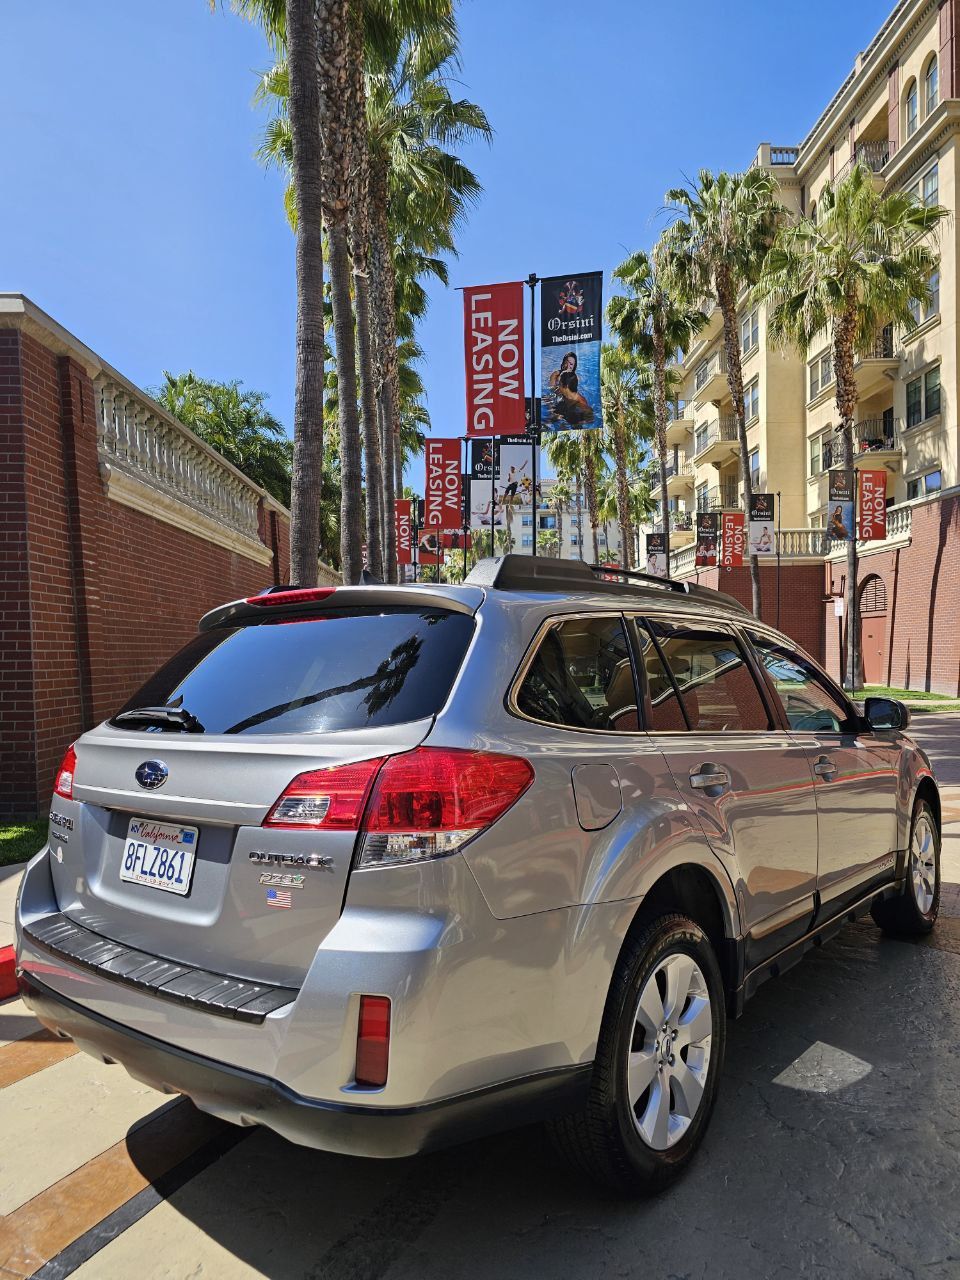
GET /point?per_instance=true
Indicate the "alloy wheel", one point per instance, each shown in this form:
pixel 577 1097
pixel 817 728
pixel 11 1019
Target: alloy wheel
pixel 923 863
pixel 669 1052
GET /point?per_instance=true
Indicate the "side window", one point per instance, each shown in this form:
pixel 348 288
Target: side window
pixel 582 678
pixel 666 714
pixel 716 685
pixel 809 704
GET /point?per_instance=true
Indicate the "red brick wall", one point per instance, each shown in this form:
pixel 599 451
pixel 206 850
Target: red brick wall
pixel 922 649
pixel 93 594
pixel 801 598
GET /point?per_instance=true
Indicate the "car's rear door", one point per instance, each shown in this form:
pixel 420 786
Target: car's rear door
pixel 744 776
pixel 856 771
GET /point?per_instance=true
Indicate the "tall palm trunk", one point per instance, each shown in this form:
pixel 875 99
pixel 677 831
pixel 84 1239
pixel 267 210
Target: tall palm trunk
pixel 844 357
pixel 623 488
pixel 727 301
pixel 660 428
pixel 590 487
pixel 334 73
pixel 579 516
pixel 383 302
pixel 359 250
pixel 304 112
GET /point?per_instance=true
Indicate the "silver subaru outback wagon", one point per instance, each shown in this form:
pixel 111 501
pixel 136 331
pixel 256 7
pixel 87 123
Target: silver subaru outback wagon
pixel 384 868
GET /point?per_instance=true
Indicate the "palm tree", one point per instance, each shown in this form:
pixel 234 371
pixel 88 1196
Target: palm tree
pixel 653 322
pixel 295 25
pixel 627 420
pixel 716 248
pixel 548 542
pixel 419 192
pixel 561 495
pixel 857 269
pixel 580 454
pixel 236 423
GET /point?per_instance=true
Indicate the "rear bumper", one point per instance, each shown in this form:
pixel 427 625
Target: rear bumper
pixel 245 1098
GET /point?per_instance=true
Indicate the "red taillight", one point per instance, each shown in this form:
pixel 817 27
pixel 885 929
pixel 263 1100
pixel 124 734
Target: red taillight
pixel 300 595
pixel 325 799
pixel 63 786
pixel 373 1041
pixel 441 789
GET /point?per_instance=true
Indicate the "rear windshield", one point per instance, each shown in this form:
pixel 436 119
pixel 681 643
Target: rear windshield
pixel 329 671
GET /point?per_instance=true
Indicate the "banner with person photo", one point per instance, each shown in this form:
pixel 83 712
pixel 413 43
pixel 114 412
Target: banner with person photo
pixel 571 320
pixel 501 473
pixel 708 529
pixel 840 505
pixel 762 530
pixel 657 555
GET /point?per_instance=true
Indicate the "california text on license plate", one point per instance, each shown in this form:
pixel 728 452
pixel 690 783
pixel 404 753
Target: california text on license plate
pixel 159 854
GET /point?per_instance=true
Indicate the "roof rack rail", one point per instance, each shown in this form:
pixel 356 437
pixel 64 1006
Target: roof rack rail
pixel 539 573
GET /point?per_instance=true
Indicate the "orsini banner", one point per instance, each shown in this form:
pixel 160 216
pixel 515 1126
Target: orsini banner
pixel 762 528
pixel 571 319
pixel 873 505
pixel 443 498
pixel 708 530
pixel 493 350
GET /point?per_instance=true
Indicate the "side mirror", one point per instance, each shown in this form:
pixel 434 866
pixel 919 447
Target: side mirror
pixel 886 713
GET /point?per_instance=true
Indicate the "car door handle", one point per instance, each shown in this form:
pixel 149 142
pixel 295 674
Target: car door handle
pixel 709 775
pixel 825 768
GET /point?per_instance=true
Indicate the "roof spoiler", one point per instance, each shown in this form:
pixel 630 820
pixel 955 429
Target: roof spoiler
pixel 540 573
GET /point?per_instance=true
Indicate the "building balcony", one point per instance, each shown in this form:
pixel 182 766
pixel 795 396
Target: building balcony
pixel 717 442
pixel 881 363
pixel 722 497
pixel 681 528
pixel 710 378
pixel 679 425
pixel 870 155
pixel 679 479
pixel 877 442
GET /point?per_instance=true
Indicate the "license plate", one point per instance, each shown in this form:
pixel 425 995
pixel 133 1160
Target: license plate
pixel 159 854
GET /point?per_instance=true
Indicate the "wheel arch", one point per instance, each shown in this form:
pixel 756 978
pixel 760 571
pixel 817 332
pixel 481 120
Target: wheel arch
pixel 927 790
pixel 696 891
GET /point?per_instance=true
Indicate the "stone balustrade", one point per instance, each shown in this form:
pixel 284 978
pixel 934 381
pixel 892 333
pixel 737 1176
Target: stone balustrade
pixel 139 438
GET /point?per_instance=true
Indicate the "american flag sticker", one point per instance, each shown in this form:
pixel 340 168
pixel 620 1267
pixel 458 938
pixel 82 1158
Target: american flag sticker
pixel 279 898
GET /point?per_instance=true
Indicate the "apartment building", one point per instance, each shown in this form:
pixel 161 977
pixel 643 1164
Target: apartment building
pixel 896 113
pixel 561 530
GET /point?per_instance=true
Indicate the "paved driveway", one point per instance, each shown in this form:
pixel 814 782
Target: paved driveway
pixel 833 1151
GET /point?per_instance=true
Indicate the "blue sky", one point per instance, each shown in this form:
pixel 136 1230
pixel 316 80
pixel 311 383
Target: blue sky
pixel 133 210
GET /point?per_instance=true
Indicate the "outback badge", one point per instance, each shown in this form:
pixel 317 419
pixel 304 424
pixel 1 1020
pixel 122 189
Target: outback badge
pixel 316 860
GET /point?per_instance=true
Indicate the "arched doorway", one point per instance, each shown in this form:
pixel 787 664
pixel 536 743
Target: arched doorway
pixel 873 629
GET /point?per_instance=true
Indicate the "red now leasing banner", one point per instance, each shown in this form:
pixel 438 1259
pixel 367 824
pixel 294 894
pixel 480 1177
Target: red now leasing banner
pixel 733 539
pixel 493 349
pixel 404 521
pixel 443 506
pixel 872 514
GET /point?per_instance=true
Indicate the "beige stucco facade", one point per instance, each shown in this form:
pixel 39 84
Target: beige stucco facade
pixel 899 113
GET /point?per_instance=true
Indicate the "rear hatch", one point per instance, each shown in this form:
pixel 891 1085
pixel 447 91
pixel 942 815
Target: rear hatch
pixel 183 867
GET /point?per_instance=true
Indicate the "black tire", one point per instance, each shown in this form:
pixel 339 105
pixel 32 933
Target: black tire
pixel 603 1140
pixel 904 916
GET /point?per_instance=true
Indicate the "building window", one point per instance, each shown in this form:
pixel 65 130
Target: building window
pixel 527 522
pixel 932 482
pixel 751 401
pixel 575 522
pixel 702 491
pixel 914 402
pixel 574 539
pixel 821 373
pixel 930 185
pixel 932 85
pixel 911 110
pixel 700 438
pixel 750 331
pixel 754 468
pixel 602 538
pixel 527 540
pixel 931 392
pixel 933 306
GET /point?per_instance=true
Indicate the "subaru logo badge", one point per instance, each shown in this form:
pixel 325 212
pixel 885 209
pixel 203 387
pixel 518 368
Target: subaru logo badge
pixel 151 774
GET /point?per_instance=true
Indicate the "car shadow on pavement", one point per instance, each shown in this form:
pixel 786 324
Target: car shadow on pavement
pixel 833 1148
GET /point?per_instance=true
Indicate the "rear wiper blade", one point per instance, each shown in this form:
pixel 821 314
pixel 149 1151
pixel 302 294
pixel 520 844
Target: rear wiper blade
pixel 161 715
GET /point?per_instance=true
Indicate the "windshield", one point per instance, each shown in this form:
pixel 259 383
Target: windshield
pixel 336 670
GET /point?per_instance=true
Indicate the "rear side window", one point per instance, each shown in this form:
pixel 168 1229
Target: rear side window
pixel 716 685
pixel 581 677
pixel 666 714
pixel 810 706
pixel 313 675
